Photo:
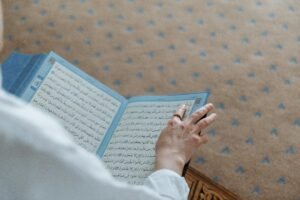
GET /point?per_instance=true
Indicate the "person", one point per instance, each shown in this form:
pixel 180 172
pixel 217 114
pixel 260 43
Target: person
pixel 39 160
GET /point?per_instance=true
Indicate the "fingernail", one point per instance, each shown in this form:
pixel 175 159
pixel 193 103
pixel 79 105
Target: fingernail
pixel 215 116
pixel 210 104
pixel 183 106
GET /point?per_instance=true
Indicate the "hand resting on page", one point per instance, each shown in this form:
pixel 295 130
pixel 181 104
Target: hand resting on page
pixel 182 137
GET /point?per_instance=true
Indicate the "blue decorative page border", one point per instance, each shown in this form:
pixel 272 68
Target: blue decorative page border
pixel 46 66
pixel 200 99
pixel 110 131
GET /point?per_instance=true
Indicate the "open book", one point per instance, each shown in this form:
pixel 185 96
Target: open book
pixel 122 132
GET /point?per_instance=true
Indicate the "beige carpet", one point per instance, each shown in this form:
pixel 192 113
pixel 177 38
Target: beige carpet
pixel 247 53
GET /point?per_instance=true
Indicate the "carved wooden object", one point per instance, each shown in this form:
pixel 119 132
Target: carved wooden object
pixel 202 188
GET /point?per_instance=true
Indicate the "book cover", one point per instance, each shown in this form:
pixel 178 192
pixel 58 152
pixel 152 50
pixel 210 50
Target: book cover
pixel 122 132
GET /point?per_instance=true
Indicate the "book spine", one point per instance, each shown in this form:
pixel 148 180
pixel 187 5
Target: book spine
pixel 12 67
pixel 28 73
pixel 110 131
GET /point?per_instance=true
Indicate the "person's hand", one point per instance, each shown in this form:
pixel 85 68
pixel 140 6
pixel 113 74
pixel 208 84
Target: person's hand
pixel 181 138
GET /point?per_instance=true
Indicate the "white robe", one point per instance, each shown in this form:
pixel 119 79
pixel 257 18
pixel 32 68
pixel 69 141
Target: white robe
pixel 39 161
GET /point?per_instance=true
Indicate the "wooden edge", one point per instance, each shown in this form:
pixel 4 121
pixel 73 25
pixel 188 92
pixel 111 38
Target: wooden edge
pixel 193 177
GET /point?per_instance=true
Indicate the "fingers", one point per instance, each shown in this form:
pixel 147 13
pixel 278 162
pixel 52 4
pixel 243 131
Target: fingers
pixel 199 140
pixel 200 113
pixel 179 114
pixel 205 122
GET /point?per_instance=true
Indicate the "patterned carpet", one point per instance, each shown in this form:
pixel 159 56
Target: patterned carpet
pixel 246 54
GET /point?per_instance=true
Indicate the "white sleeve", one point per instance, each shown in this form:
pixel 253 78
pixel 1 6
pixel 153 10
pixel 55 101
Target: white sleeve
pixel 168 184
pixel 39 161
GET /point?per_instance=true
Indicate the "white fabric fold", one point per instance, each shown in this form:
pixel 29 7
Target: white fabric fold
pixel 39 160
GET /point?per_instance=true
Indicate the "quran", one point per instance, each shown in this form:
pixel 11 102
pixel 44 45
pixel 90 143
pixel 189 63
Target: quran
pixel 120 131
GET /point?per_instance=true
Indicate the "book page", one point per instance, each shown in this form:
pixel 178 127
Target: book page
pixel 130 154
pixel 85 111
